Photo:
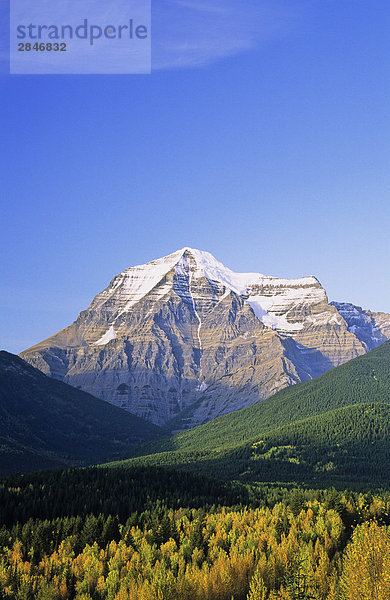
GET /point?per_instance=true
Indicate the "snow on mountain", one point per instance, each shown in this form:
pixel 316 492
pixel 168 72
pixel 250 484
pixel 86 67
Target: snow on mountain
pixel 271 298
pixel 135 283
pixel 370 328
pixel 107 337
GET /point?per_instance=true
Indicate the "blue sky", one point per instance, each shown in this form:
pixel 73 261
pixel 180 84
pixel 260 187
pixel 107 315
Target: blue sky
pixel 262 136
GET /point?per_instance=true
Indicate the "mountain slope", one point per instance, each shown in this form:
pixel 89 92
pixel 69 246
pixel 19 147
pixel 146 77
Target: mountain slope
pixel 342 417
pixel 349 447
pixel 364 379
pixel 46 423
pixel 183 339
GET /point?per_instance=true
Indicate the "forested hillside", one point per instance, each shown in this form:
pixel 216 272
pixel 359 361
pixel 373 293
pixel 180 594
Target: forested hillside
pixel 333 430
pixel 45 423
pixel 348 447
pixel 364 379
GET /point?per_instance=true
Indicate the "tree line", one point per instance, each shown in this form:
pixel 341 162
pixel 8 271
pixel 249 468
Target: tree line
pixel 298 551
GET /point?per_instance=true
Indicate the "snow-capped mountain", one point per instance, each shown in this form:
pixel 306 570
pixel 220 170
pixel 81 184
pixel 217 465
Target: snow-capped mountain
pixel 183 338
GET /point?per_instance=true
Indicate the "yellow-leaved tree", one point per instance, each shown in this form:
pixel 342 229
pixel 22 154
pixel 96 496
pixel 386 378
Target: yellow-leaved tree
pixel 366 568
pixel 257 588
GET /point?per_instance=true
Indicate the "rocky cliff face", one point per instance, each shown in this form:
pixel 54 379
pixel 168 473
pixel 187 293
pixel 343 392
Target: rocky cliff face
pixel 371 328
pixel 183 339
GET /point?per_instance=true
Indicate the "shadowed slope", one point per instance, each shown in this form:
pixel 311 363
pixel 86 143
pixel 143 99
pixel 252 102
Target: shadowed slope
pixel 46 423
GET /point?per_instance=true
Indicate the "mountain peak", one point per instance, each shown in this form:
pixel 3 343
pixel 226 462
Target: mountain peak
pixel 202 258
pixel 206 264
pixel 269 297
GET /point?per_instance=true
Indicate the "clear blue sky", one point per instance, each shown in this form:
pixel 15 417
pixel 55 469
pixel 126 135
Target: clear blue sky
pixel 262 136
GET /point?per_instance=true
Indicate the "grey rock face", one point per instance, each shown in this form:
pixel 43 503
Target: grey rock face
pixel 183 339
pixel 371 328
